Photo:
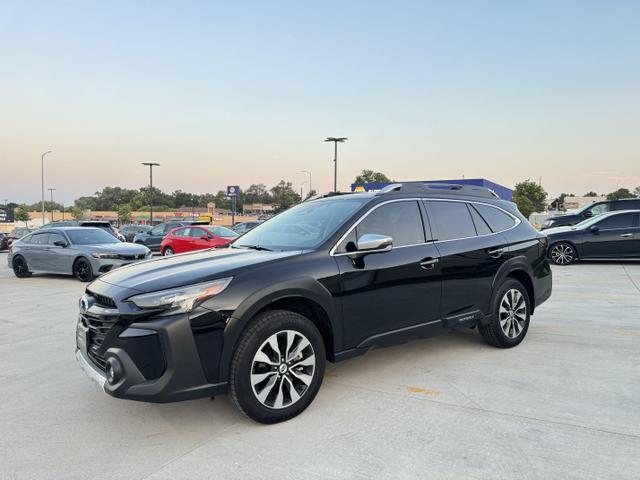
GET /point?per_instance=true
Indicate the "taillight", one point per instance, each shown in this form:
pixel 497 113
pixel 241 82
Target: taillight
pixel 543 240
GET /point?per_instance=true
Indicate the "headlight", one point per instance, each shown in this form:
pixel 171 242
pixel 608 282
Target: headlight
pixel 183 299
pixel 104 255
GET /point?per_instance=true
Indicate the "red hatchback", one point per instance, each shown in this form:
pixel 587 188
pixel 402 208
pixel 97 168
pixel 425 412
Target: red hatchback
pixel 190 238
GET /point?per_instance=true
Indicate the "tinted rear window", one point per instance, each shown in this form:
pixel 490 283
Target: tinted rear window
pixel 452 220
pixel 497 219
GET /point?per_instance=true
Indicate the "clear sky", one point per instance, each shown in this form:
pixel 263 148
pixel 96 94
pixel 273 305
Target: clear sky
pixel 244 92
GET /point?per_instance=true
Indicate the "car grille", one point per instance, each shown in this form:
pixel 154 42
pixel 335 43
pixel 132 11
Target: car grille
pixel 139 256
pixel 99 326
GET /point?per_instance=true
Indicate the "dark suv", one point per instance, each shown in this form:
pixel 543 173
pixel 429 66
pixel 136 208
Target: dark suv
pixel 596 208
pixel 328 279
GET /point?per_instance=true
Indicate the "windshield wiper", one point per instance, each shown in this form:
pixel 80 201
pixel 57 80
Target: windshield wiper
pixel 255 247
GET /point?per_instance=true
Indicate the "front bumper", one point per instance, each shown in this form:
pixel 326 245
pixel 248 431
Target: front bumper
pixel 176 371
pixel 103 265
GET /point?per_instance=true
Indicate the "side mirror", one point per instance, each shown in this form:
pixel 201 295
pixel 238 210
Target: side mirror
pixel 204 237
pixel 594 229
pixel 372 243
pixel 60 243
pixel 588 214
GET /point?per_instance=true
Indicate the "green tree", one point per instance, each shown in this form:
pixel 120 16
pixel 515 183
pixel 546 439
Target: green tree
pixel 48 206
pixel 77 213
pixel 619 194
pixel 311 193
pixel 371 176
pixel 21 214
pixel 591 194
pixel 284 196
pixel 529 197
pixel 636 191
pixel 124 214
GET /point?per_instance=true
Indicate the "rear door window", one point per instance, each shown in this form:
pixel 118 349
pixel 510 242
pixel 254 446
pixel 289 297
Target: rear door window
pixel 40 239
pixel 451 220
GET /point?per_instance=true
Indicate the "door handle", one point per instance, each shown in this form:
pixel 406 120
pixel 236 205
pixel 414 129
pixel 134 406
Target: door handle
pixel 626 235
pixel 496 252
pixel 429 263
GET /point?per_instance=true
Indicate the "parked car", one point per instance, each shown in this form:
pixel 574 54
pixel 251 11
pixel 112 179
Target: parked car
pixel 597 208
pixel 328 279
pixel 613 235
pixel 243 227
pixel 104 225
pixel 189 239
pixel 130 231
pixel 153 238
pixel 19 232
pixel 4 241
pixel 80 251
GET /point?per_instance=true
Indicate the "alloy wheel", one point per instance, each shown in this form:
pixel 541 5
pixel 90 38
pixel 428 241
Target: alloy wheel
pixel 562 254
pixel 282 369
pixel 19 266
pixel 81 270
pixel 167 252
pixel 512 313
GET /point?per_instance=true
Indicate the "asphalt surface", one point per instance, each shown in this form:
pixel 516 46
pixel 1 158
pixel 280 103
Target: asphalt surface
pixel 564 404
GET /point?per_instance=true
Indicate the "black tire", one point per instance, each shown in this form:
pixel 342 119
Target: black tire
pixel 168 251
pixel 505 330
pixel 265 326
pixel 562 253
pixel 82 270
pixel 20 267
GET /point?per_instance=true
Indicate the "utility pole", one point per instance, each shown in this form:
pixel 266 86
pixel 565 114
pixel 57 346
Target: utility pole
pixel 51 190
pixel 42 178
pixel 151 165
pixel 335 141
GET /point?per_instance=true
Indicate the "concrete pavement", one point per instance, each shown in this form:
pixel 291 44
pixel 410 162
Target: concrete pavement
pixel 564 404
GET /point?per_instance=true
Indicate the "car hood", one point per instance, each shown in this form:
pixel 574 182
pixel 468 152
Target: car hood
pixel 188 268
pixel 122 248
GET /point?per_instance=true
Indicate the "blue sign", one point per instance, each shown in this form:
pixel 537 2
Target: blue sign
pixel 233 191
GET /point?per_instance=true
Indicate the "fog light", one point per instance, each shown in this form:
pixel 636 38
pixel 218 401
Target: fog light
pixel 113 370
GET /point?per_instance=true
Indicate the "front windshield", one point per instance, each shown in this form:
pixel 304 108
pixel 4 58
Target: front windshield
pixel 306 225
pixel 90 236
pixel 590 221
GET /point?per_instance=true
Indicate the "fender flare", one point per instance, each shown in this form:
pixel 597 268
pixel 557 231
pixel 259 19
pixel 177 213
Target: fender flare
pixel 518 263
pixel 302 287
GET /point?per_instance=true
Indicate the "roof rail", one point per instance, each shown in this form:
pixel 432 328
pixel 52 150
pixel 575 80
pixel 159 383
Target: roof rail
pixel 325 195
pixel 449 188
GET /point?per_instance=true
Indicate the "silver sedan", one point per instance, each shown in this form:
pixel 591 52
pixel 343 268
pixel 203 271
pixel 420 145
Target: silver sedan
pixel 83 252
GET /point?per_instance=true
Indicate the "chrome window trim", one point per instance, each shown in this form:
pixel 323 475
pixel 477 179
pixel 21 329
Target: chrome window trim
pixel 333 253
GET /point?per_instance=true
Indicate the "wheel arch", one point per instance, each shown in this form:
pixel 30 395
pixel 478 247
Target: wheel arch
pixel 519 269
pixel 570 242
pixel 308 298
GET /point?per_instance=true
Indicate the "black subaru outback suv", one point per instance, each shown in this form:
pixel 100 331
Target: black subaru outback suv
pixel 326 280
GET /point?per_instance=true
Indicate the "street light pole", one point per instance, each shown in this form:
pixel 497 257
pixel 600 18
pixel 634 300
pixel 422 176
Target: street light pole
pixel 42 178
pixel 308 173
pixel 335 141
pixel 151 165
pixel 51 190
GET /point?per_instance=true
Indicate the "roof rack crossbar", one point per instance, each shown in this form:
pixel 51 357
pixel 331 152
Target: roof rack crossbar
pixel 451 188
